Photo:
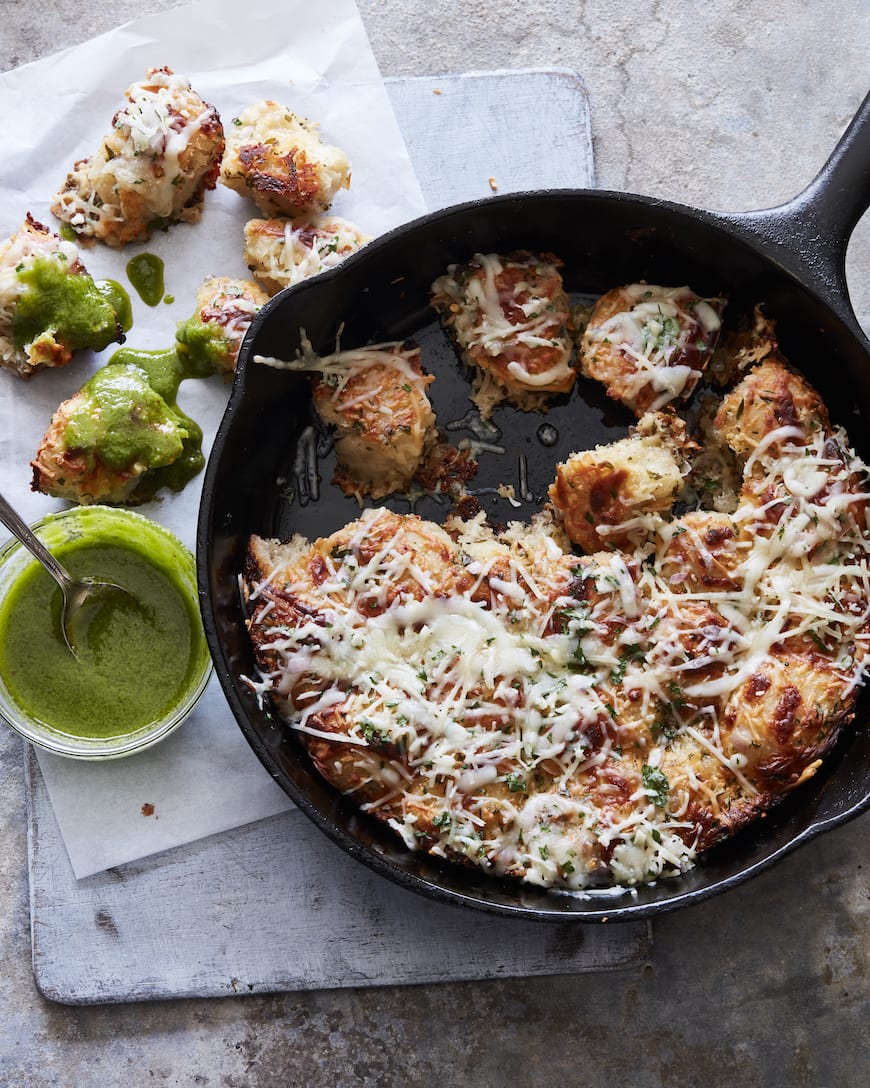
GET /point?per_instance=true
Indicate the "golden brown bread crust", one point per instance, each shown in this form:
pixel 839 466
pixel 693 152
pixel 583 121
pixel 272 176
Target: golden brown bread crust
pixel 375 403
pixel 706 794
pixel 786 716
pixel 703 690
pixel 294 599
pixel 33 241
pixel 75 474
pixel 614 496
pixel 153 168
pixel 281 252
pixel 226 306
pixel 376 400
pixel 279 160
pixel 771 397
pixel 511 320
pixel 751 342
pixel 701 553
pixel 649 345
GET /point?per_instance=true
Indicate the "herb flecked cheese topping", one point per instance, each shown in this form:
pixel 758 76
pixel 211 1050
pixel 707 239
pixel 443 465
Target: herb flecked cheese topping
pixel 579 721
pixel 152 168
pixel 650 344
pixel 509 315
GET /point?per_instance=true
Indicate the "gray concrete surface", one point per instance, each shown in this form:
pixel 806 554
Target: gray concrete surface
pixel 732 104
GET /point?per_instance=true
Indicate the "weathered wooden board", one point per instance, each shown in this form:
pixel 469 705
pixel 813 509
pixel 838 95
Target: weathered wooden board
pixel 482 132
pixel 274 906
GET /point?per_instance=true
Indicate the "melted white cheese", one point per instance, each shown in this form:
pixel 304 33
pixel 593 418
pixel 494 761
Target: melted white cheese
pixel 156 126
pixel 657 329
pixel 304 248
pixel 338 368
pixel 478 317
pixel 481 688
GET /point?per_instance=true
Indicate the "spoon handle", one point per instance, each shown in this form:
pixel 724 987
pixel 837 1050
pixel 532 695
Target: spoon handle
pixel 22 532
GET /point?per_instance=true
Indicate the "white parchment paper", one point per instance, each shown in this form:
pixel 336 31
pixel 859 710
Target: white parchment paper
pixel 316 59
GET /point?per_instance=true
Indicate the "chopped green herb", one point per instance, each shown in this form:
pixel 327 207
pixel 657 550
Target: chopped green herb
pixel 371 733
pixel 656 784
pixel 515 783
pixel 819 642
pixel 678 699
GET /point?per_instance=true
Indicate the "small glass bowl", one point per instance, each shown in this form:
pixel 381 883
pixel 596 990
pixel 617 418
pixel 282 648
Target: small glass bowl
pixel 107 525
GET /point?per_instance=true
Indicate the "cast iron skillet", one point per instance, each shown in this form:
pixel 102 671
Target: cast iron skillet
pixel 262 477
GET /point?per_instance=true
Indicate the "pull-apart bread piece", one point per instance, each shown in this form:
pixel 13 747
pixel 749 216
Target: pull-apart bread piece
pixel 281 252
pixel 803 522
pixel 650 345
pixel 773 405
pixel 614 496
pixel 210 339
pixel 585 720
pixel 49 305
pixel 280 162
pixel 427 675
pixel 152 169
pixel 375 398
pixel 117 440
pixel 510 319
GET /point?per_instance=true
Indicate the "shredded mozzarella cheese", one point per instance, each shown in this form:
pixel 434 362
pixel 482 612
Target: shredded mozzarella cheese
pixel 562 719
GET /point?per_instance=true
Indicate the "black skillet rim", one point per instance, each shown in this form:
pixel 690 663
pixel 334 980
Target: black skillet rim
pixel 609 909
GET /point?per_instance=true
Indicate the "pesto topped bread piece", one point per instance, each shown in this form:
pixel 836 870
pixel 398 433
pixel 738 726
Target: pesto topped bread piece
pixel 210 339
pixel 49 306
pixel 117 440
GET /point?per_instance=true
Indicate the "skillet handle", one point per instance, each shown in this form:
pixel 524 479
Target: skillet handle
pixel 812 230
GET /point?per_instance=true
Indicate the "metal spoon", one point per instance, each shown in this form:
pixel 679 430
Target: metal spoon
pixel 77 595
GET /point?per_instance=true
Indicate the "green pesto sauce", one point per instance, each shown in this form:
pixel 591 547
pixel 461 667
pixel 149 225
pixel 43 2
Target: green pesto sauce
pixel 161 373
pixel 79 312
pixel 124 421
pixel 137 660
pixel 119 300
pixel 201 345
pixel 145 272
pixel 163 369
